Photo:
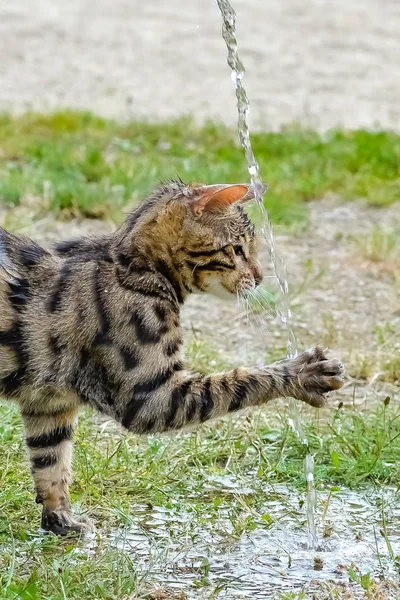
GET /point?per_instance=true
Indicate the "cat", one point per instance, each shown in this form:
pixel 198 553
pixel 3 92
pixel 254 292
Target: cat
pixel 95 321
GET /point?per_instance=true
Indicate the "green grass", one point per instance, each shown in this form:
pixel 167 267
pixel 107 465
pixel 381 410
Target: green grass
pixel 87 165
pixel 380 245
pixel 115 473
pixel 126 482
pixel 79 164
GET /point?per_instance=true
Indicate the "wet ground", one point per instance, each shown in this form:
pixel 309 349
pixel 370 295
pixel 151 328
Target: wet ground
pixel 274 557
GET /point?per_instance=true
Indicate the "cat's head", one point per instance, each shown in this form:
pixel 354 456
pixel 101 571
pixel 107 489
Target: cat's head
pixel 206 234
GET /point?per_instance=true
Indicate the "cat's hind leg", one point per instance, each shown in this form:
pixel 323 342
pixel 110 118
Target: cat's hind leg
pixel 49 440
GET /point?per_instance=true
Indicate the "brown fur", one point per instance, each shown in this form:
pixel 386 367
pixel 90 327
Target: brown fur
pixel 96 321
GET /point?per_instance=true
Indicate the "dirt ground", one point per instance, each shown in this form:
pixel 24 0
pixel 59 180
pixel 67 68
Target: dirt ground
pixel 319 63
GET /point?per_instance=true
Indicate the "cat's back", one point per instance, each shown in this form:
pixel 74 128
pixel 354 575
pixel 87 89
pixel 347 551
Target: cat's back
pixel 53 304
pixel 79 318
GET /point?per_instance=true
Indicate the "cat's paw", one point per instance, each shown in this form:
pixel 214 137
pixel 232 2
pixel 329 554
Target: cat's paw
pixel 63 522
pixel 311 375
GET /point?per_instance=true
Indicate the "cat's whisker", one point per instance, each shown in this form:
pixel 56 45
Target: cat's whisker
pixel 258 322
pixel 259 296
pixel 243 310
pixel 244 304
pixel 261 302
pixel 239 303
pixel 195 267
pixel 253 319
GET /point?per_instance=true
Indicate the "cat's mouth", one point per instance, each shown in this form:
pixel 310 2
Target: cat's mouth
pixel 246 285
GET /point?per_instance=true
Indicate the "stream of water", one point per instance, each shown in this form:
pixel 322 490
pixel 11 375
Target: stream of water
pixel 283 304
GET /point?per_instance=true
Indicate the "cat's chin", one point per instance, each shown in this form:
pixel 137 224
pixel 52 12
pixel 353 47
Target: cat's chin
pixel 215 288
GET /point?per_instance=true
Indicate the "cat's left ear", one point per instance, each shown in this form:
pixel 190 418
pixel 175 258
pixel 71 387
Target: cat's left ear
pixel 219 196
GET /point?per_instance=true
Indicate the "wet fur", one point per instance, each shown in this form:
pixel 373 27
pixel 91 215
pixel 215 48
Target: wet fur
pixel 95 321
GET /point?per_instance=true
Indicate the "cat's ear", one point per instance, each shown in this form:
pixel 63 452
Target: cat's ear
pixel 218 197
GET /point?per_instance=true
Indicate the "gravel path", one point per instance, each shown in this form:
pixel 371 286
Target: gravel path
pixel 317 62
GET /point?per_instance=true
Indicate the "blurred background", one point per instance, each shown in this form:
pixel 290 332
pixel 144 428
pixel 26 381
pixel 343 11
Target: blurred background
pixel 318 63
pixel 98 102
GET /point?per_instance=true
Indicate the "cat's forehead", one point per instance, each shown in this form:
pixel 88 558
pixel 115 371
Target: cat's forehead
pixel 235 225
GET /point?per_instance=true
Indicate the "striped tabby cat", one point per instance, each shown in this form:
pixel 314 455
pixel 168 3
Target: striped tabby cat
pixel 96 322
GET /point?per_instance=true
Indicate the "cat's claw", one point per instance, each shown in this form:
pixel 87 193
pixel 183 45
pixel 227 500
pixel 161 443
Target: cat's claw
pixel 312 375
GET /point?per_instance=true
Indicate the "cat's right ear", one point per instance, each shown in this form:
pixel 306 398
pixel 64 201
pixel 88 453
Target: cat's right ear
pixel 219 197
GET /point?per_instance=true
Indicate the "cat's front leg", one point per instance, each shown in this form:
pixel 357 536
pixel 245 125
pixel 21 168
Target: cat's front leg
pixel 181 398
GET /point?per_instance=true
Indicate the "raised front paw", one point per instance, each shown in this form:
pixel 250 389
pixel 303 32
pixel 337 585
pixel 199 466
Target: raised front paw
pixel 312 375
pixel 63 522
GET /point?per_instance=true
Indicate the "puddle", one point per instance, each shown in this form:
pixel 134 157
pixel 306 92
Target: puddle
pixel 198 556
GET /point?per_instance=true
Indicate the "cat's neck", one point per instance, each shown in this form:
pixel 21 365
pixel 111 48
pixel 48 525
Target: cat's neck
pixel 134 257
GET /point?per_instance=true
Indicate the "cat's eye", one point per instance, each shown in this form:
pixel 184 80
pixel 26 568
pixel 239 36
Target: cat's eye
pixel 238 250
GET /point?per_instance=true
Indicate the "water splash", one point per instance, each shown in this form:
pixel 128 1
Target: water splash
pixel 311 501
pixel 173 543
pixel 283 305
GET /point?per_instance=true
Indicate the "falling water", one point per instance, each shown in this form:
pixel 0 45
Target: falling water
pixel 283 305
